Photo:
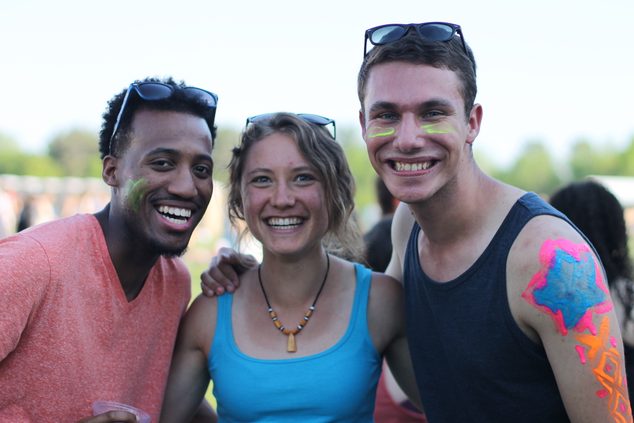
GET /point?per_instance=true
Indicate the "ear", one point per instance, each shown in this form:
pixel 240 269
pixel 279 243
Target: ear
pixel 109 170
pixel 475 118
pixel 362 123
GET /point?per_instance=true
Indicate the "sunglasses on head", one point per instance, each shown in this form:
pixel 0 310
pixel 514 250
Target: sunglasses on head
pixel 306 117
pixel 154 91
pixel 431 31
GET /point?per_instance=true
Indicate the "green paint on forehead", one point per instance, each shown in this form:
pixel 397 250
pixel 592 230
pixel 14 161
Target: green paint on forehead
pixel 135 190
pixel 378 131
pixel 435 128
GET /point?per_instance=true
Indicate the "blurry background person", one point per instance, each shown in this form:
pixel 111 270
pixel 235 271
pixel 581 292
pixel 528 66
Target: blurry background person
pixel 378 242
pixel 599 215
pixel 26 217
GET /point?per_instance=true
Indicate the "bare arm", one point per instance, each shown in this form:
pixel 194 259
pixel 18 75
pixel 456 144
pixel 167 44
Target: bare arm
pixel 223 271
pixel 559 297
pixel 386 320
pixel 398 359
pixel 189 378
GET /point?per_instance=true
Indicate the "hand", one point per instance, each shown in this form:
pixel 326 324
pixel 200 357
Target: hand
pixel 222 275
pixel 111 417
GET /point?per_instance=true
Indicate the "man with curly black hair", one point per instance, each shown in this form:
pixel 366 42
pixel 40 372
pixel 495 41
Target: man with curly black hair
pixel 91 304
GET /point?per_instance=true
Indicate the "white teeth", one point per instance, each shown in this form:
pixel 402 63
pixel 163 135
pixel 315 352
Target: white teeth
pixel 412 167
pixel 175 212
pixel 284 221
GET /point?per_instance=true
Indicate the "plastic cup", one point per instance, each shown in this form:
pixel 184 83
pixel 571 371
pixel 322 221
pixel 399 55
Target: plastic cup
pixel 100 407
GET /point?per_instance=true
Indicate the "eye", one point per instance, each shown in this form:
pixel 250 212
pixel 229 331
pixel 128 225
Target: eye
pixel 386 116
pixel 260 180
pixel 433 114
pixel 305 178
pixel 162 165
pixel 203 171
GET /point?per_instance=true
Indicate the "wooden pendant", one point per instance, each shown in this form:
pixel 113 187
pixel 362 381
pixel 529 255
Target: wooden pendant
pixel 291 347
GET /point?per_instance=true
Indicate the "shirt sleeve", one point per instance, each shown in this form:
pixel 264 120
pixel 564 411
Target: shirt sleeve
pixel 24 277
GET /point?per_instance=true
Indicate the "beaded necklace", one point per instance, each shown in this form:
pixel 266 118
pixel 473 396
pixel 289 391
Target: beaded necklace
pixel 291 346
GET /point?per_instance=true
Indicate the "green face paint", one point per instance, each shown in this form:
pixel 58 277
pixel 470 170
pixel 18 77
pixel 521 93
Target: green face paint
pixel 135 190
pixel 377 131
pixel 435 128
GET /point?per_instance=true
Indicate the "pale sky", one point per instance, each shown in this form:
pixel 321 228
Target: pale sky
pixel 547 69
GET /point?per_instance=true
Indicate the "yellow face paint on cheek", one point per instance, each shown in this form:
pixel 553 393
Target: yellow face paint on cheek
pixel 437 128
pixel 380 131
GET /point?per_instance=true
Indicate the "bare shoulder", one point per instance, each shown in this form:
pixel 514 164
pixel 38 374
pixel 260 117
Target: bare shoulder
pixel 402 226
pixel 199 324
pixel 548 247
pixel 385 288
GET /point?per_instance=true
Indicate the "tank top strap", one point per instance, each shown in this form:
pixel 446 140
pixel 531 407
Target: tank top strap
pixel 358 314
pixel 224 330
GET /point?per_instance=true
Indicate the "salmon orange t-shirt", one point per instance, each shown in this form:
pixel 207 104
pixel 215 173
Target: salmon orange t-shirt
pixel 68 335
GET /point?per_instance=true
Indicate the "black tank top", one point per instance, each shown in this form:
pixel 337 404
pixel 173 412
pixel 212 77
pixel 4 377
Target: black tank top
pixel 472 362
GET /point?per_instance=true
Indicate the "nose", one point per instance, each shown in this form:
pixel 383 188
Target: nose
pixel 283 196
pixel 183 183
pixel 408 134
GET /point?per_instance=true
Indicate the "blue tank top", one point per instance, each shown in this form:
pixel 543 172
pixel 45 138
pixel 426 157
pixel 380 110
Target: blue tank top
pixel 472 361
pixel 335 385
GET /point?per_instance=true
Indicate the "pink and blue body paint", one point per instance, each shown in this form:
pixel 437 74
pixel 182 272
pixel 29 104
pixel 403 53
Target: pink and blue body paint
pixel 569 286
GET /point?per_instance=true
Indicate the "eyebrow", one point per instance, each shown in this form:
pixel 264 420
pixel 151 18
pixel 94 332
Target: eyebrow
pixel 173 152
pixel 434 102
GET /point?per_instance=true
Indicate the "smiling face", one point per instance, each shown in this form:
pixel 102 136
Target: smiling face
pixel 416 133
pixel 163 181
pixel 283 197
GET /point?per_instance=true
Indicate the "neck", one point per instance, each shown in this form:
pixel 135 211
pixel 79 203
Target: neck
pixel 292 282
pixel 132 263
pixel 458 209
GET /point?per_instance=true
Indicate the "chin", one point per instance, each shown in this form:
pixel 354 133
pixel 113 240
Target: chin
pixel 174 253
pixel 168 250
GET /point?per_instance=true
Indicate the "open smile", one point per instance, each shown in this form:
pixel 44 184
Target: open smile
pixel 284 222
pixel 176 215
pixel 412 167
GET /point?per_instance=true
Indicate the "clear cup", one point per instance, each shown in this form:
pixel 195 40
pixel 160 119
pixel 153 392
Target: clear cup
pixel 100 407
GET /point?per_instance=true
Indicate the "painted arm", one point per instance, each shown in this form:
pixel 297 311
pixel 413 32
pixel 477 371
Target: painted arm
pixel 189 378
pixel 558 293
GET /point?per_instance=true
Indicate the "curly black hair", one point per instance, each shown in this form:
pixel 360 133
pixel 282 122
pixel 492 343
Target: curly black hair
pixel 599 215
pixel 179 101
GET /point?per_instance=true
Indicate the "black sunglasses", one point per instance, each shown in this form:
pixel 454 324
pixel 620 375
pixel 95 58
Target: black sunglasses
pixel 154 91
pixel 432 31
pixel 306 117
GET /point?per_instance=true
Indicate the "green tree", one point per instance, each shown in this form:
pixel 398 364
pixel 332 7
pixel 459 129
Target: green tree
pixel 534 170
pixel 364 175
pixel 226 140
pixel 585 159
pixel 17 162
pixel 76 152
pixel 626 160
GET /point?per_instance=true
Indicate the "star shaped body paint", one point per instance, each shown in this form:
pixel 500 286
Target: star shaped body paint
pixel 569 286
